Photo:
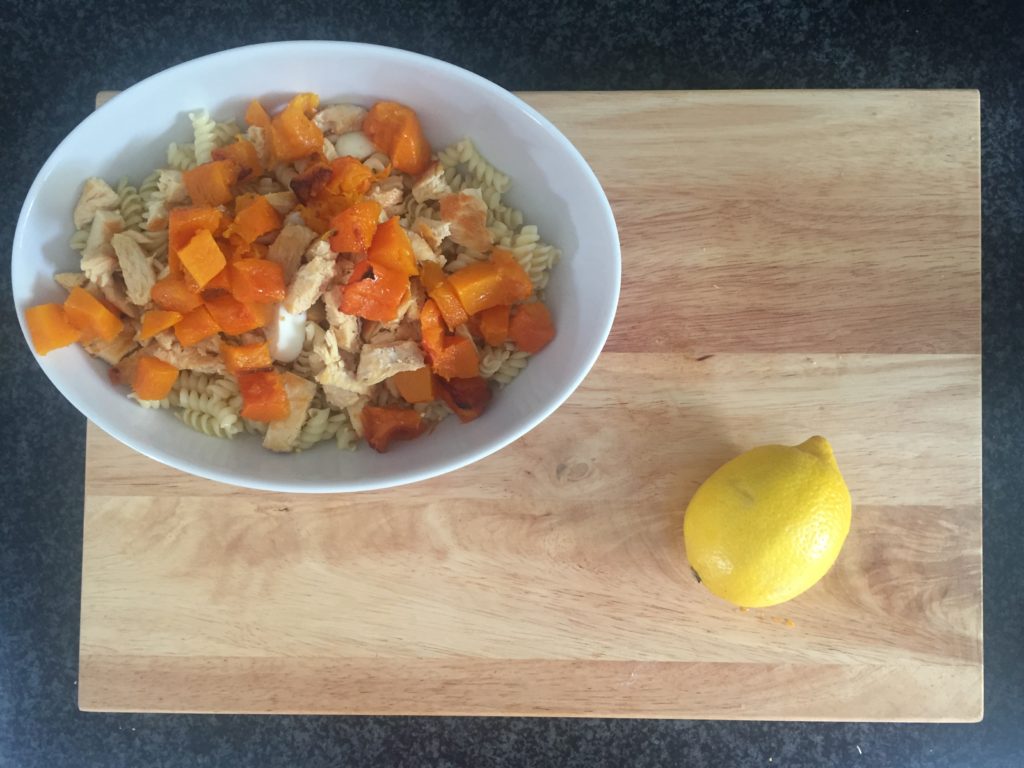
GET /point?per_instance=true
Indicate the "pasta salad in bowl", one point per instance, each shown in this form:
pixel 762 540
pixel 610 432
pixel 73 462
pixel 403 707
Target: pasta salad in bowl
pixel 316 261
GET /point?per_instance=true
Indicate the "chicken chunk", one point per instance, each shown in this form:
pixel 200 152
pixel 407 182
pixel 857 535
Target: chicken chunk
pixel 123 371
pixel 340 118
pixel 188 358
pixel 341 398
pixel 105 224
pixel 289 246
pixel 170 191
pixel 433 232
pixel 310 282
pixel 69 280
pixel 344 326
pixel 389 195
pixel 99 267
pixel 431 185
pixel 96 195
pixel 355 414
pixel 467 214
pixel 282 202
pixel 337 377
pixel 282 434
pixel 209 346
pixel 113 351
pixel 136 268
pixel 423 252
pixel 115 293
pixel 409 310
pixel 320 249
pixel 378 362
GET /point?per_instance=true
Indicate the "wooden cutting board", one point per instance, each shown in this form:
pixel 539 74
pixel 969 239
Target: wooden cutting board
pixel 794 263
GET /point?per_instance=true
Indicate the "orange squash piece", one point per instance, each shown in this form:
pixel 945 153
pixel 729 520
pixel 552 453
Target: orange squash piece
pixel 244 200
pixel 49 328
pixel 448 302
pixel 416 386
pixel 172 293
pixel 311 183
pixel 458 359
pixel 91 316
pixel 256 115
pixel 494 325
pixel 295 136
pixel 383 425
pixel 220 283
pixel 195 326
pixel 243 153
pixel 432 329
pixel 395 129
pixel 466 397
pixel 531 328
pixel 374 292
pixel 153 378
pixel 210 183
pixel 263 396
pixel 431 274
pixel 260 281
pixel 479 286
pixel 515 282
pixel 156 320
pixel 255 219
pixel 183 224
pixel 355 227
pixel 244 358
pixel 391 248
pixel 202 258
pixel 233 316
pixel 314 218
pixel 350 179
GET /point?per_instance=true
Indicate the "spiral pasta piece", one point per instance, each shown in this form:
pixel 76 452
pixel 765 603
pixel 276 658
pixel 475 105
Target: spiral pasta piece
pixel 315 429
pixel 181 157
pixel 224 133
pixel 512 366
pixel 131 205
pixel 207 424
pixel 204 132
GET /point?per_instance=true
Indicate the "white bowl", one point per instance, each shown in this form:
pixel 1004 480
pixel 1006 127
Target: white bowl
pixel 552 184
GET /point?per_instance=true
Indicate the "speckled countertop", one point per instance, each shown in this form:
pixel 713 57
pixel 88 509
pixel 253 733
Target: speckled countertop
pixel 56 55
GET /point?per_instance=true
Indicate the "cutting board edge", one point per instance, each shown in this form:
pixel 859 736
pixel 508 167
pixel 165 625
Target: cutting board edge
pixel 425 688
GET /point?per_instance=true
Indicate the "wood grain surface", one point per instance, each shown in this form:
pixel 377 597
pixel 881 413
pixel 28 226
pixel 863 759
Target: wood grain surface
pixel 794 263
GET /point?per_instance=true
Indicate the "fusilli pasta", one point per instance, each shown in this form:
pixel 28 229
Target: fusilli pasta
pixel 204 132
pixel 154 404
pixel 207 424
pixel 511 367
pixel 181 157
pixel 224 133
pixel 345 436
pixel 150 186
pixel 130 205
pixel 316 428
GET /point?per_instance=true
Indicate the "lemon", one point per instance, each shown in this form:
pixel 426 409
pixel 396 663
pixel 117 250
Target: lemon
pixel 768 525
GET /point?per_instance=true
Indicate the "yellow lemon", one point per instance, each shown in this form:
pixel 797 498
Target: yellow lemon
pixel 768 525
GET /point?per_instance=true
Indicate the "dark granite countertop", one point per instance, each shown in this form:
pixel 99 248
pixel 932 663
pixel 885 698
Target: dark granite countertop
pixel 57 55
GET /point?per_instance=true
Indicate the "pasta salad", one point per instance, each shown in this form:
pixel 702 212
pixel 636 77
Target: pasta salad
pixel 320 275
